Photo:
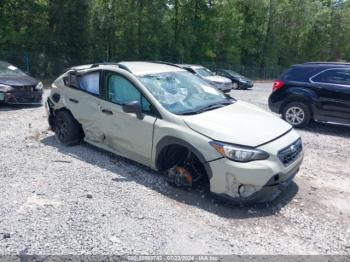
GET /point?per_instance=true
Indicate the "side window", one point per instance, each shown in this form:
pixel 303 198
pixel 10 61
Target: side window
pixel 146 106
pixel 225 74
pixel 334 76
pixel 221 73
pixel 121 91
pixel 90 82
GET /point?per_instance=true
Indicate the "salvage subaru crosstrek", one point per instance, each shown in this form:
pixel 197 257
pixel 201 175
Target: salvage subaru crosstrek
pixel 172 121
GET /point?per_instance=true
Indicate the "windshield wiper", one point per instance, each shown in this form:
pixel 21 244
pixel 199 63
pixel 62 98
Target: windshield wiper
pixel 189 112
pixel 214 106
pixel 206 108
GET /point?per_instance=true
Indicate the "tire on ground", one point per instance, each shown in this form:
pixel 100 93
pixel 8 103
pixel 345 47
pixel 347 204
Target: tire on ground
pixel 302 106
pixel 67 129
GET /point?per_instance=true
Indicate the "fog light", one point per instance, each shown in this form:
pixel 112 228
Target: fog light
pixel 241 190
pixel 246 190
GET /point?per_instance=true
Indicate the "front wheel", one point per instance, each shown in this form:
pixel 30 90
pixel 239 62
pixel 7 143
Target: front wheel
pixel 67 130
pixel 235 85
pixel 297 114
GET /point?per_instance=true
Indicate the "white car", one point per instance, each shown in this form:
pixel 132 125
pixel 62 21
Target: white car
pixel 222 83
pixel 172 121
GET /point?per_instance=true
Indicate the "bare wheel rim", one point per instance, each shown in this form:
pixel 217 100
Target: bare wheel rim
pixel 295 115
pixel 234 85
pixel 61 129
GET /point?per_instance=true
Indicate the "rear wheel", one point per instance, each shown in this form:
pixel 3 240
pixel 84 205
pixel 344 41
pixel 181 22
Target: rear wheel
pixel 67 130
pixel 297 114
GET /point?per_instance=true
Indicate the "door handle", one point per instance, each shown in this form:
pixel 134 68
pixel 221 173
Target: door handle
pixel 106 111
pixel 73 100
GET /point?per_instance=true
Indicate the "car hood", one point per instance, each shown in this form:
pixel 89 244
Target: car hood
pixel 240 123
pixel 244 79
pixel 218 79
pixel 18 80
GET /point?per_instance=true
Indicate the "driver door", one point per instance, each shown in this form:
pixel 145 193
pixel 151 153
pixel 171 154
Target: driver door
pixel 126 133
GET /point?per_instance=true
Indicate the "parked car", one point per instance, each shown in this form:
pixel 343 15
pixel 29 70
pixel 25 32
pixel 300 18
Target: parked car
pixel 222 83
pixel 172 121
pixel 317 91
pixel 239 81
pixel 16 87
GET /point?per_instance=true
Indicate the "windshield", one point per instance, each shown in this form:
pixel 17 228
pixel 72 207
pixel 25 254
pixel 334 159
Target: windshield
pixel 7 69
pixel 204 72
pixel 182 92
pixel 233 73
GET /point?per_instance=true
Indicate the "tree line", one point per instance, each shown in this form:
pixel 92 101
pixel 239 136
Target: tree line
pixel 54 35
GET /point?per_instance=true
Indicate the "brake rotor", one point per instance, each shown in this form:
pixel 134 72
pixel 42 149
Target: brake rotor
pixel 180 176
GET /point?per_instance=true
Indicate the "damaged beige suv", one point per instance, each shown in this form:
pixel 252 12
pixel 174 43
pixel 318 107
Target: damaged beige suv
pixel 166 118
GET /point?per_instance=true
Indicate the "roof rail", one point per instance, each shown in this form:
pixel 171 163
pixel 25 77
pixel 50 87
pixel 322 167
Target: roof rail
pixel 330 63
pixel 165 63
pixel 104 63
pixel 125 68
pixel 111 63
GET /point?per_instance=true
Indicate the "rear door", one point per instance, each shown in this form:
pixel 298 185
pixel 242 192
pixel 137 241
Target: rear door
pixel 334 92
pixel 84 103
pixel 124 132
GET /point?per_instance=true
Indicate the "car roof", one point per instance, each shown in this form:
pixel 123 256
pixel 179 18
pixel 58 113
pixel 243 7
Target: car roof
pixel 133 67
pixel 323 64
pixel 144 68
pixel 303 72
pixel 5 63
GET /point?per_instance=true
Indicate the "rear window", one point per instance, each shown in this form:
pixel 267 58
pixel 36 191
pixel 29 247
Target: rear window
pixel 91 83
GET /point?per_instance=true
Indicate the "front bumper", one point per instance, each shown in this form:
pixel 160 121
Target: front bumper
pixel 224 87
pixel 256 181
pixel 22 97
pixel 267 193
pixel 245 84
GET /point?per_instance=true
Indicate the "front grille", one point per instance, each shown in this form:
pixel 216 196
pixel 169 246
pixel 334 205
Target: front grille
pixel 228 85
pixel 290 153
pixel 24 88
pixel 24 97
pixel 225 86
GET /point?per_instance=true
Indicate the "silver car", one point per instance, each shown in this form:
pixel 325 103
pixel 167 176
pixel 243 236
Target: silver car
pixel 222 83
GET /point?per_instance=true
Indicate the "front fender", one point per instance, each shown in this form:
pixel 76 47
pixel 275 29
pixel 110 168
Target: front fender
pixel 170 140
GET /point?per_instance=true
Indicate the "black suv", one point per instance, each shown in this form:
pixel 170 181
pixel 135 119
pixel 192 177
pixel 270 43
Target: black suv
pixel 313 91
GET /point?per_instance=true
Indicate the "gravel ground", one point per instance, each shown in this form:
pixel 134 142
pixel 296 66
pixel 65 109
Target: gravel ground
pixel 81 200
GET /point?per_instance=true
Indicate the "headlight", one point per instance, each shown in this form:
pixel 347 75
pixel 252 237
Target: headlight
pixel 239 153
pixel 5 88
pixel 39 86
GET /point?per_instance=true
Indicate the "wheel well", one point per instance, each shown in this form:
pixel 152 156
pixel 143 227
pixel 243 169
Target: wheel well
pixel 299 99
pixel 55 112
pixel 63 109
pixel 175 154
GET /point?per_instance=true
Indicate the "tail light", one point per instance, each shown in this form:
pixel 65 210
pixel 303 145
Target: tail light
pixel 277 85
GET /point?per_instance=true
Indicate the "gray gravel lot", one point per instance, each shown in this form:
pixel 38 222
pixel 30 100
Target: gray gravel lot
pixel 81 200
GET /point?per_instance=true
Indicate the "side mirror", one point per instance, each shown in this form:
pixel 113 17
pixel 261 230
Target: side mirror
pixel 133 107
pixel 73 79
